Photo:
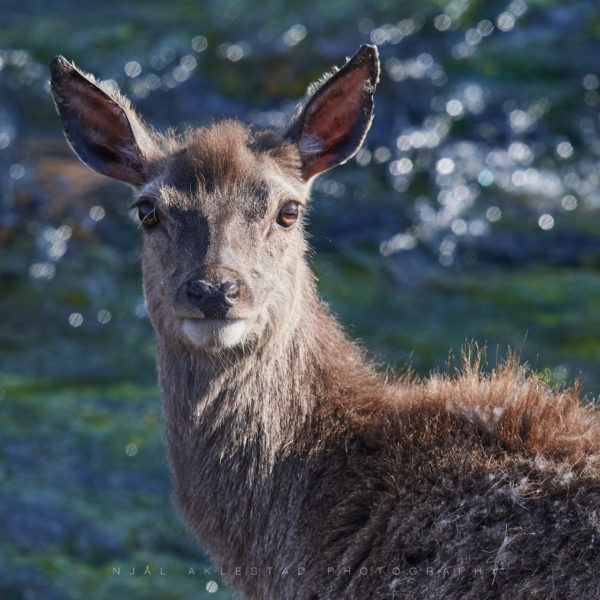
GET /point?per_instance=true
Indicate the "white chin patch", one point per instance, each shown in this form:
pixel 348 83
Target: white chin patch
pixel 206 333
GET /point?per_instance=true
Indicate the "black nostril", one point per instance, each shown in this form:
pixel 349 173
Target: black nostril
pixel 199 288
pixel 231 291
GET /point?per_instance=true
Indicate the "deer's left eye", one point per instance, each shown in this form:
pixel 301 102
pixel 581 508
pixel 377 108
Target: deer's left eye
pixel 288 214
pixel 147 214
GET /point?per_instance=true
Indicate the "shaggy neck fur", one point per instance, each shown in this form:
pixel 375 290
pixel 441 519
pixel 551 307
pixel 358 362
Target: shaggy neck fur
pixel 237 421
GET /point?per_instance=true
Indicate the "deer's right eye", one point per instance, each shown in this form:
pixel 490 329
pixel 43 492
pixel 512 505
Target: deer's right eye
pixel 147 214
pixel 288 215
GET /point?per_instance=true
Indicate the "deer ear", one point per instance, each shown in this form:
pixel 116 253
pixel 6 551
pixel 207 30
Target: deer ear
pixel 103 130
pixel 333 124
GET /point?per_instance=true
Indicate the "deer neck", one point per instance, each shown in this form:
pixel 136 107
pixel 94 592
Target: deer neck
pixel 232 422
pixel 241 430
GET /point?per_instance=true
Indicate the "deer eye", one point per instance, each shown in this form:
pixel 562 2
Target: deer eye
pixel 147 214
pixel 288 214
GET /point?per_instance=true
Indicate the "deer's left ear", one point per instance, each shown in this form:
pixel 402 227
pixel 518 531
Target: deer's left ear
pixel 333 124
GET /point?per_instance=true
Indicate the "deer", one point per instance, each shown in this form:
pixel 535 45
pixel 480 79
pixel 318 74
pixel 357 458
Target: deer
pixel 303 469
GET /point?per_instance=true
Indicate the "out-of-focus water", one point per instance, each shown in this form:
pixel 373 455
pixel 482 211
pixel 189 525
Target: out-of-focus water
pixel 470 213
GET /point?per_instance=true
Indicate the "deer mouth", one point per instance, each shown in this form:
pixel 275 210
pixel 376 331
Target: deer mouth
pixel 214 333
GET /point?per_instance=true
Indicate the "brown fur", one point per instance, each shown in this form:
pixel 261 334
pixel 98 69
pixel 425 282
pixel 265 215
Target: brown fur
pixel 304 472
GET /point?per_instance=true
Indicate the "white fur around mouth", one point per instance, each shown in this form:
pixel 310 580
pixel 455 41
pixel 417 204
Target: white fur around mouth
pixel 209 333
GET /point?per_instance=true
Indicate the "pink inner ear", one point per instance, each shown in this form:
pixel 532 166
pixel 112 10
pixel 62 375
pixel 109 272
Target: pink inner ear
pixel 332 122
pixel 101 132
pixel 105 123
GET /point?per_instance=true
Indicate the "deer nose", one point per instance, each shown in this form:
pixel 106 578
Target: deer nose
pixel 213 300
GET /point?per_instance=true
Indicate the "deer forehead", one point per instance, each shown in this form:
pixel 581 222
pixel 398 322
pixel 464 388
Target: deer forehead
pixel 221 179
pixel 254 197
pixel 228 153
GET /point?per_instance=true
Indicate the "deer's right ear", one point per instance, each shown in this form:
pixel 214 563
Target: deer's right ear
pixel 104 132
pixel 333 124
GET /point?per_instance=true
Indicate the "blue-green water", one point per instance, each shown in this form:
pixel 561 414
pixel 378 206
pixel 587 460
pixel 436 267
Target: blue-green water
pixel 470 214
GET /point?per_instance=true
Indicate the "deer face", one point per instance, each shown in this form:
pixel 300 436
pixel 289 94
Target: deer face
pixel 223 237
pixel 221 209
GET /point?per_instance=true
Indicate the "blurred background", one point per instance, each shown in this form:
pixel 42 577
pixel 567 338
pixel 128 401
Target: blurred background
pixel 471 213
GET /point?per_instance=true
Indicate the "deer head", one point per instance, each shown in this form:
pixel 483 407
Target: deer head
pixel 222 209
